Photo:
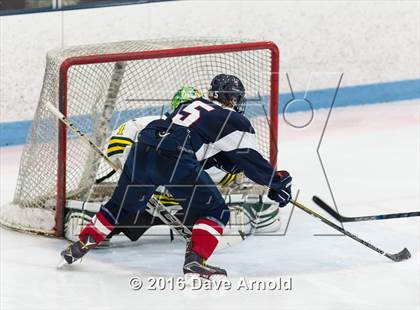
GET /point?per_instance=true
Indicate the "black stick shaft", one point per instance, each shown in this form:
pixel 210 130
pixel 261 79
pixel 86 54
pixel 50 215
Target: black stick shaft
pixel 404 254
pixel 322 204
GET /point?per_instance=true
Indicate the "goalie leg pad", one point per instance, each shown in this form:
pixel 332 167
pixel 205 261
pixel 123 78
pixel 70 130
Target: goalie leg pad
pixel 263 217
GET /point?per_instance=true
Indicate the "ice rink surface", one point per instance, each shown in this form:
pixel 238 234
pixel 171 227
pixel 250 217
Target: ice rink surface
pixel 371 157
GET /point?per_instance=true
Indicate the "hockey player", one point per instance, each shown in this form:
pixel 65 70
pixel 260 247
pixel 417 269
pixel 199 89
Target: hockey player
pixel 174 152
pixel 118 148
pixel 249 214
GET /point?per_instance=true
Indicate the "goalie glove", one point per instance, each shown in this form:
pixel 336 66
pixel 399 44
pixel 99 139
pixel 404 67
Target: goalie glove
pixel 281 190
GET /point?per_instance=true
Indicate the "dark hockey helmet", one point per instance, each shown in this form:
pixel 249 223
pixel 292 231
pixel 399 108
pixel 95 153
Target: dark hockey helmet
pixel 229 90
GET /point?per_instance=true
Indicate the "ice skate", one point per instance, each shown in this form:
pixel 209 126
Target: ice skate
pixel 76 251
pixel 196 266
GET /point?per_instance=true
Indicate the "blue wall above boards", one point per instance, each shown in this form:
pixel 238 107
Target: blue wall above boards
pixel 354 95
pixel 14 133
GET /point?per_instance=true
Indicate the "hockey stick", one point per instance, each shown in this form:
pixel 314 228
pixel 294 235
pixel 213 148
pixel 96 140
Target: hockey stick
pixel 322 204
pixel 154 207
pixel 397 257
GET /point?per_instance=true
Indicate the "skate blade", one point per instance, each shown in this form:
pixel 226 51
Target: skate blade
pixel 218 277
pixel 62 263
pixel 192 278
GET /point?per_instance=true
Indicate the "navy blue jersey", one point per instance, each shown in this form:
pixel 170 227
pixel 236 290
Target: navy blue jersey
pixel 217 132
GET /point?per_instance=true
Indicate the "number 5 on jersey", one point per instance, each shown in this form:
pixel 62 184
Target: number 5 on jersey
pixel 193 113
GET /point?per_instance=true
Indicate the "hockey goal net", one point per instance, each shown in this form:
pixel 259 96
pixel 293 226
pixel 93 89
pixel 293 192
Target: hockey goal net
pixel 100 86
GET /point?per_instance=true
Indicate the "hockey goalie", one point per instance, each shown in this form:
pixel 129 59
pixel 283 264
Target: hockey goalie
pixel 186 161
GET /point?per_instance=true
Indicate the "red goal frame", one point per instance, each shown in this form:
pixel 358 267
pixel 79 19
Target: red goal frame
pixel 153 54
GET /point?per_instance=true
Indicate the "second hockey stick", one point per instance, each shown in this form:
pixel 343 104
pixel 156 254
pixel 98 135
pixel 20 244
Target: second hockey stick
pixel 397 257
pixel 344 219
pixel 154 207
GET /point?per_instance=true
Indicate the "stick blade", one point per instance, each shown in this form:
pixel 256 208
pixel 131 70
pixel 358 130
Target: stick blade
pixel 323 205
pixel 317 200
pixel 400 256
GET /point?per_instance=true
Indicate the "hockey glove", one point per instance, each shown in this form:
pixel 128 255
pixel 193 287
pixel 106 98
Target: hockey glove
pixel 281 191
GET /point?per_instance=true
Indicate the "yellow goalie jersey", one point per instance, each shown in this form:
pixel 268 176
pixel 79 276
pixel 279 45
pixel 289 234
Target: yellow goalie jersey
pixel 124 136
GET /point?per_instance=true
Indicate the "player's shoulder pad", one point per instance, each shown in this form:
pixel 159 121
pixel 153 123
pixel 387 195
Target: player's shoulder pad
pixel 235 118
pixel 241 122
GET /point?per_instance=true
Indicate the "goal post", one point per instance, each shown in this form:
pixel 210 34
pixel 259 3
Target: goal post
pixel 99 86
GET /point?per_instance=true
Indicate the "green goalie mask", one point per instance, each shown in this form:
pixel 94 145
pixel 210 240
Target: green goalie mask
pixel 184 94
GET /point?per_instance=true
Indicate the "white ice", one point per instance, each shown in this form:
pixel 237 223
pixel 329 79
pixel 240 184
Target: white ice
pixel 371 156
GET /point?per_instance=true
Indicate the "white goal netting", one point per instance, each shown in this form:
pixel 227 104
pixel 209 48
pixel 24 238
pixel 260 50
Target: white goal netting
pixel 105 85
